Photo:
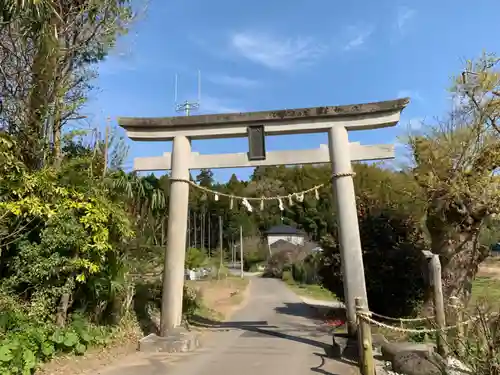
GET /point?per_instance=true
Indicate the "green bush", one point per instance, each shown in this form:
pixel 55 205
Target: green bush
pixel 148 295
pixel 25 343
pixel 191 302
pixel 222 271
pixel 393 262
pixel 253 268
pixel 304 272
pixel 277 264
pixel 286 276
pixel 252 260
pixel 195 258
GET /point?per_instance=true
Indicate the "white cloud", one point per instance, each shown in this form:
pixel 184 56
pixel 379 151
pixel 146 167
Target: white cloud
pixel 275 52
pixel 210 104
pixel 403 17
pixel 234 81
pixel 357 36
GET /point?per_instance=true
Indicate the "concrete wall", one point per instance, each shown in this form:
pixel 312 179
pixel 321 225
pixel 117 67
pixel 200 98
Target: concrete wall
pixel 294 239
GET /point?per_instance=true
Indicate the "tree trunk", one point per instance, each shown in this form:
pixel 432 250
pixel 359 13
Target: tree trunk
pixel 456 243
pixel 44 69
pixel 56 138
pixel 62 310
pixel 65 302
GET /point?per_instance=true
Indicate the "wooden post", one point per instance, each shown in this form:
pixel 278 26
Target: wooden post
pixel 434 267
pixel 457 310
pixel 241 252
pixel 366 363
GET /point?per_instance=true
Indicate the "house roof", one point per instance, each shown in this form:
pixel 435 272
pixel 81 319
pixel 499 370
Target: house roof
pixel 284 229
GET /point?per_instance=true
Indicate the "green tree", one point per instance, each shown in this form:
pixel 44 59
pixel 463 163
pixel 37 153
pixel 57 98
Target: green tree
pixel 55 43
pixel 455 165
pixel 205 178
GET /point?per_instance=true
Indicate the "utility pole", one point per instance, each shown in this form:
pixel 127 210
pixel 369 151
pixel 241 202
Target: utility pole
pixel 203 234
pixel 220 247
pixel 241 251
pixel 106 147
pixel 187 106
pixel 195 231
pixel 233 251
pixel 209 235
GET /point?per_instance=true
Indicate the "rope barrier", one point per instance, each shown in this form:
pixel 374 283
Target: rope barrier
pixel 409 320
pixel 366 316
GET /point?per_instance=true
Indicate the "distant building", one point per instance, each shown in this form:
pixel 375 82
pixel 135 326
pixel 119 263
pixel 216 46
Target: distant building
pixel 284 234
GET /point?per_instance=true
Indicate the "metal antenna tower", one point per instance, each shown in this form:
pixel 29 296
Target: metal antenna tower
pixel 188 106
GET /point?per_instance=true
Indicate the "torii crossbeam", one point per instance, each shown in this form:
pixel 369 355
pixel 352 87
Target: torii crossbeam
pixel 240 159
pixel 335 120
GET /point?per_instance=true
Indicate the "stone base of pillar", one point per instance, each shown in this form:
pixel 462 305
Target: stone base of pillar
pixel 178 340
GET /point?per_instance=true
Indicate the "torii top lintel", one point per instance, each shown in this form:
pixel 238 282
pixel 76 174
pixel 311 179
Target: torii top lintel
pixel 285 121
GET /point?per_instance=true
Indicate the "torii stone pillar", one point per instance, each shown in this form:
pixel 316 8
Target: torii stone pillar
pixel 347 218
pixel 173 275
pixel 334 120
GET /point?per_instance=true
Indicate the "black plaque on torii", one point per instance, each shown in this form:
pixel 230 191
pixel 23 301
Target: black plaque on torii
pixel 256 143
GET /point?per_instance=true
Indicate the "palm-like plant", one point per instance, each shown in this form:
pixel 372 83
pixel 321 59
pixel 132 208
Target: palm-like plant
pixel 35 10
pixel 146 201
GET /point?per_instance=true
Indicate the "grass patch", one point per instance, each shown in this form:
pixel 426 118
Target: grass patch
pixel 312 291
pixel 486 289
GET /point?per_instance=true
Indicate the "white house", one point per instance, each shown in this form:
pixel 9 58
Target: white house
pixel 285 233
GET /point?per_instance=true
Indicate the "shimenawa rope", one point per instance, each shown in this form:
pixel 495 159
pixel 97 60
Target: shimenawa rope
pixel 297 195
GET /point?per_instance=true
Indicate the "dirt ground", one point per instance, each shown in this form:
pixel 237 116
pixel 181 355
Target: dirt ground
pixel 220 298
pixel 490 268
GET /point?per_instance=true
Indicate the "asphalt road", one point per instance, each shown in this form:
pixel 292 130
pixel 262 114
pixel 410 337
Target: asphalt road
pixel 271 335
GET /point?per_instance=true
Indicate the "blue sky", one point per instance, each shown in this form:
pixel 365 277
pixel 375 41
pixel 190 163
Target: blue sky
pixel 259 55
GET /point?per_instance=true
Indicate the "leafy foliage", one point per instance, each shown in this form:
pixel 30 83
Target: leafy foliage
pixel 307 271
pixel 455 164
pixel 25 341
pixel 195 258
pixel 393 261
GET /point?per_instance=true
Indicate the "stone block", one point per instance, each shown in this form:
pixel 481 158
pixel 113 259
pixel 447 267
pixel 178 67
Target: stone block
pixel 416 363
pixel 390 349
pixel 178 340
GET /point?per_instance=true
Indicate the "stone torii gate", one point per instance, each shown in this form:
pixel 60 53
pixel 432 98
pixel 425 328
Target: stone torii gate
pixel 335 120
